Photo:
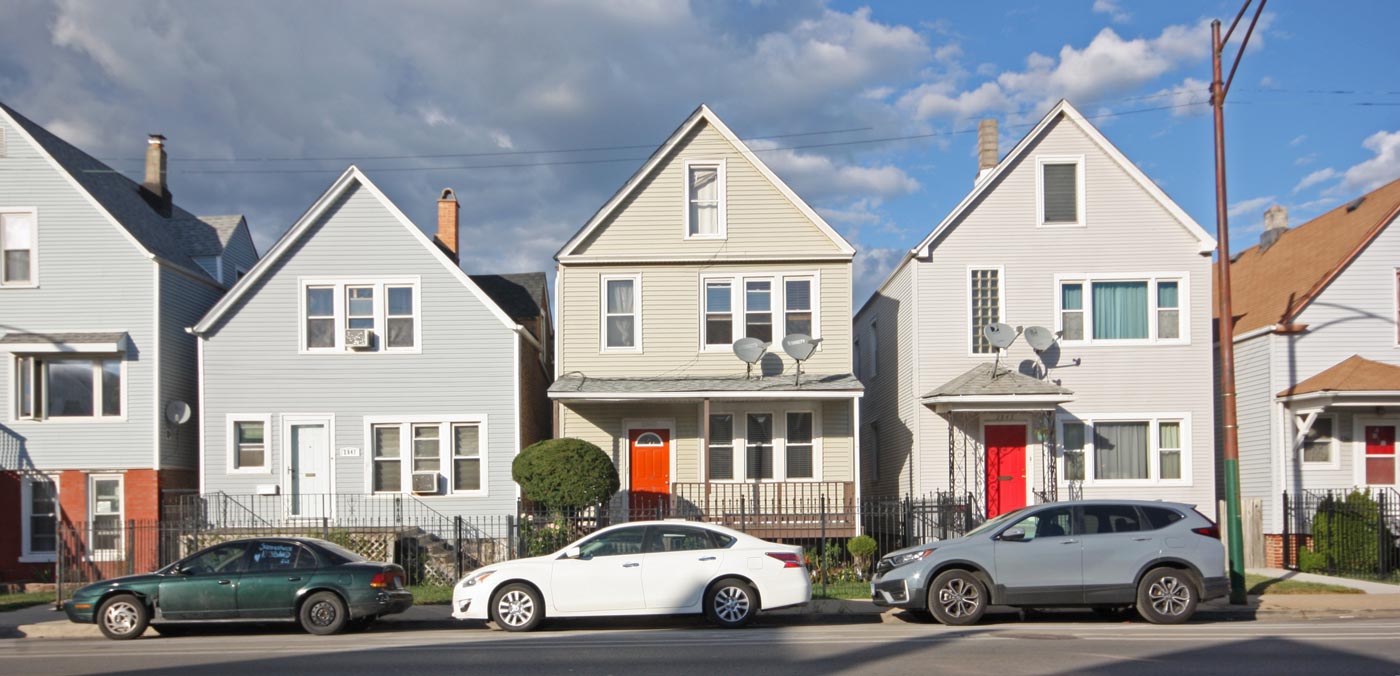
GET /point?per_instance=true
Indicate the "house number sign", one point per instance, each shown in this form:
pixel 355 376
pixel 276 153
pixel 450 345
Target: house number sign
pixel 349 451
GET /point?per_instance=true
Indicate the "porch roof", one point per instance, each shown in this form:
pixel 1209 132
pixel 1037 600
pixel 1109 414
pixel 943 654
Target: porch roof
pixel 115 341
pixel 987 387
pixel 1352 378
pixel 578 386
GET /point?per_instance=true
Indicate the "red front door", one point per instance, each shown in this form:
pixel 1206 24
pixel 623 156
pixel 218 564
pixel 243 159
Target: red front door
pixel 1006 468
pixel 650 462
pixel 1380 455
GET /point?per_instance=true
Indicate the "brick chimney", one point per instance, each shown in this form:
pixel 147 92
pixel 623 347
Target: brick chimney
pixel 986 147
pixel 157 192
pixel 447 223
pixel 1275 224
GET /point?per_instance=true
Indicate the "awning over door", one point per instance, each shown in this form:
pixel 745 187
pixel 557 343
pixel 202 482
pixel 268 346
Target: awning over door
pixel 990 388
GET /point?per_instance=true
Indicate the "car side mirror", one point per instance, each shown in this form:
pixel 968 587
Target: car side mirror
pixel 1013 535
pixel 180 569
pixel 573 553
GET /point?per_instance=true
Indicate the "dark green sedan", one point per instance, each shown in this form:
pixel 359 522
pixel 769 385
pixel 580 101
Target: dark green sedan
pixel 324 586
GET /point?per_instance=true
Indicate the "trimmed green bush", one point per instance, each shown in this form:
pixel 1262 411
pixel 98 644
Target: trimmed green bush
pixel 862 549
pixel 1346 534
pixel 565 473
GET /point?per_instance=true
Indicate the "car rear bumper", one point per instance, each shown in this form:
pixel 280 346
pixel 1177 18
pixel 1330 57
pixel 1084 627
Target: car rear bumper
pixel 790 589
pixel 387 602
pixel 1215 587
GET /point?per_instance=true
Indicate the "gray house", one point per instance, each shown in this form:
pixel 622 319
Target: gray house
pixel 99 276
pixel 1067 234
pixel 357 374
pixel 1317 363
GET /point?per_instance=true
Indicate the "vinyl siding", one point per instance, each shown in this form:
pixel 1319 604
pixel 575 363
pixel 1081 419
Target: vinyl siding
pixel 652 220
pixel 890 402
pixel 183 301
pixel 671 307
pixel 1127 232
pixel 239 253
pixel 1258 423
pixel 467 366
pixel 91 278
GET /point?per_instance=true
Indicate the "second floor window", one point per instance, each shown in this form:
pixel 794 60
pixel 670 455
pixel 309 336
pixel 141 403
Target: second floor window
pixel 1113 310
pixel 62 388
pixel 984 290
pixel 719 312
pixel 18 247
pixel 758 309
pixel 387 309
pixel 622 314
pixel 766 307
pixel 797 306
pixel 705 200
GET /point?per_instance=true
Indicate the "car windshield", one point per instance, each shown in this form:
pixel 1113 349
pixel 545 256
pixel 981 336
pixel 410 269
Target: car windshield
pixel 340 554
pixel 996 522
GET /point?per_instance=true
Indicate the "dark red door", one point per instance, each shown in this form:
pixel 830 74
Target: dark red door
pixel 1380 455
pixel 1006 468
pixel 651 470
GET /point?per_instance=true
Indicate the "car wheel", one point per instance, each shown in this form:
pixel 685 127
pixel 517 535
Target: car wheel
pixel 123 617
pixel 323 614
pixel 517 607
pixel 731 603
pixel 1167 596
pixel 957 598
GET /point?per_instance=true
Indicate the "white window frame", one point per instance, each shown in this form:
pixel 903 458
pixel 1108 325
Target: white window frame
pixel 720 178
pixel 603 314
pixel 339 301
pixel 774 298
pixel 1080 210
pixel 738 302
pixel 1183 306
pixel 735 330
pixel 28 555
pixel 452 457
pixel 119 553
pixel 33 249
pixel 1334 448
pixel 967 304
pixel 733 439
pixel 446 452
pixel 1153 421
pixel 40 404
pixel 779 412
pixel 231 442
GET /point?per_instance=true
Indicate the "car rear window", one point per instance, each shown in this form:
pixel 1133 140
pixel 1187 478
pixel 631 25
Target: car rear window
pixel 1161 517
pixel 722 541
pixel 339 555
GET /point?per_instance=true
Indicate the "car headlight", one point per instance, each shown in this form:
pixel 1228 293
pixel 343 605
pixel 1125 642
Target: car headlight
pixel 906 558
pixel 475 578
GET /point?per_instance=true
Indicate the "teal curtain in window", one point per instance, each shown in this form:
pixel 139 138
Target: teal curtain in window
pixel 1072 297
pixel 1120 310
pixel 1166 294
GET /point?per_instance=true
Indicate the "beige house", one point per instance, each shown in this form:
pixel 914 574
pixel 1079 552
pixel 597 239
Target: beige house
pixel 702 247
pixel 1063 233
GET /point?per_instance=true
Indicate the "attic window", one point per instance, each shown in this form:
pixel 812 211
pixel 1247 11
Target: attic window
pixel 1060 199
pixel 704 195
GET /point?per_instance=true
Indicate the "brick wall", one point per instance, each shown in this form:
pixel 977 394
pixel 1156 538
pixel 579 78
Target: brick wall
pixel 1274 548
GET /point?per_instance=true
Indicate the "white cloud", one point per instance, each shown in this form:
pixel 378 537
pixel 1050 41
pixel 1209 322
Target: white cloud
pixel 1298 140
pixel 1187 97
pixel 1253 206
pixel 1315 178
pixel 1304 160
pixel 819 177
pixel 870 267
pixel 1378 170
pixel 1111 8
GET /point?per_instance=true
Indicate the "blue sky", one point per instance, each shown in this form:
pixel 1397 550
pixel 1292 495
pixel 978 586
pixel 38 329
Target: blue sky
pixel 265 103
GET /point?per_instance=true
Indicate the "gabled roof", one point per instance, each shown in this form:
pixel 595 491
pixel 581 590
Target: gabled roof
pixel 171 240
pixel 986 380
pixel 1273 286
pixel 351 178
pixel 672 143
pixel 1070 113
pixel 522 295
pixel 1353 374
pixel 206 235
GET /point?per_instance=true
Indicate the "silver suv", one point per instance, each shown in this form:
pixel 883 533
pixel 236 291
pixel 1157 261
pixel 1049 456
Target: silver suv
pixel 1160 557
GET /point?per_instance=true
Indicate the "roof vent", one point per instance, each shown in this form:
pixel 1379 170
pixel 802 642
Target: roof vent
pixel 1355 204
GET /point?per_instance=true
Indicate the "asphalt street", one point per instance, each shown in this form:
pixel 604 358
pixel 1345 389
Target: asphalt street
pixel 680 647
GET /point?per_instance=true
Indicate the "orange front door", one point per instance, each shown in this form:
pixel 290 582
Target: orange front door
pixel 1006 468
pixel 650 462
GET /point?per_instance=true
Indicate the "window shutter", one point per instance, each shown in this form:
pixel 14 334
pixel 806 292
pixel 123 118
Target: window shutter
pixel 1061 193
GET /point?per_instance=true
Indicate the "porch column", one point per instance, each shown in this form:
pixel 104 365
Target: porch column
pixel 705 449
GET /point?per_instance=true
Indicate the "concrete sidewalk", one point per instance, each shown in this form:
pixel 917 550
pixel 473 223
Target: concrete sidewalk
pixel 820 611
pixel 1363 585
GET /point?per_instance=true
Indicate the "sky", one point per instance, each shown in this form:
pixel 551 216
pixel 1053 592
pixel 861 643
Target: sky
pixel 536 111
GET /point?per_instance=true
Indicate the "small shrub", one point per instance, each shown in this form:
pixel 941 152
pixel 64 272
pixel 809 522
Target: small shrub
pixel 1310 561
pixel 1346 533
pixel 541 536
pixel 565 474
pixel 862 549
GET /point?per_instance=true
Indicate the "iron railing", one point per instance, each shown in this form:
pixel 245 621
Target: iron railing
pixel 1352 533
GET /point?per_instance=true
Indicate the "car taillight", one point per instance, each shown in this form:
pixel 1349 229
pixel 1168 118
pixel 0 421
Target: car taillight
pixel 789 559
pixel 1208 531
pixel 383 580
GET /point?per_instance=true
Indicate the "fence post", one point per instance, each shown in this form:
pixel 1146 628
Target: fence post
pixel 743 515
pixel 824 558
pixel 130 546
pixel 1382 535
pixel 62 544
pixel 908 527
pixel 514 543
pixel 1288 561
pixel 325 528
pixel 457 543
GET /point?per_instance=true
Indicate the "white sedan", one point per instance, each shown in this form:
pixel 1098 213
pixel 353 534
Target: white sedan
pixel 642 568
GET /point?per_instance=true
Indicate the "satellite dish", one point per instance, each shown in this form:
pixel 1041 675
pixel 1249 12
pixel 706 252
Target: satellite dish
pixel 750 350
pixel 800 347
pixel 177 412
pixel 1039 338
pixel 1001 336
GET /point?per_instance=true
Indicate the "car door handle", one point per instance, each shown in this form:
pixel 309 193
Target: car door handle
pixel 630 565
pixel 1141 539
pixel 1070 542
pixel 294 579
pixel 225 581
pixel 707 558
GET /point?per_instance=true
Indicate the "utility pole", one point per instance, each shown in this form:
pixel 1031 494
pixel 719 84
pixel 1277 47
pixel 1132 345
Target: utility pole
pixel 1231 447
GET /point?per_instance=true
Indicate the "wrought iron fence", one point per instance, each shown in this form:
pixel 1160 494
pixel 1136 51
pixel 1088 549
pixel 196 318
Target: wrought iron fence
pixel 438 549
pixel 1349 533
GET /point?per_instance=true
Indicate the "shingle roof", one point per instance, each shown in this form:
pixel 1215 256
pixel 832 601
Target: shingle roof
pixel 61 338
pixel 986 380
pixel 1272 286
pixel 522 295
pixel 579 384
pixel 1353 374
pixel 122 198
pixel 205 235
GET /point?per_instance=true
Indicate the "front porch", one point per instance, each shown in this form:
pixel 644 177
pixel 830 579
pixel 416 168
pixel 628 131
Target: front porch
pixel 1341 428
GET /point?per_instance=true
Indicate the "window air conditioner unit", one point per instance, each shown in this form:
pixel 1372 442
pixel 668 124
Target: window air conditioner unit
pixel 358 339
pixel 425 483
